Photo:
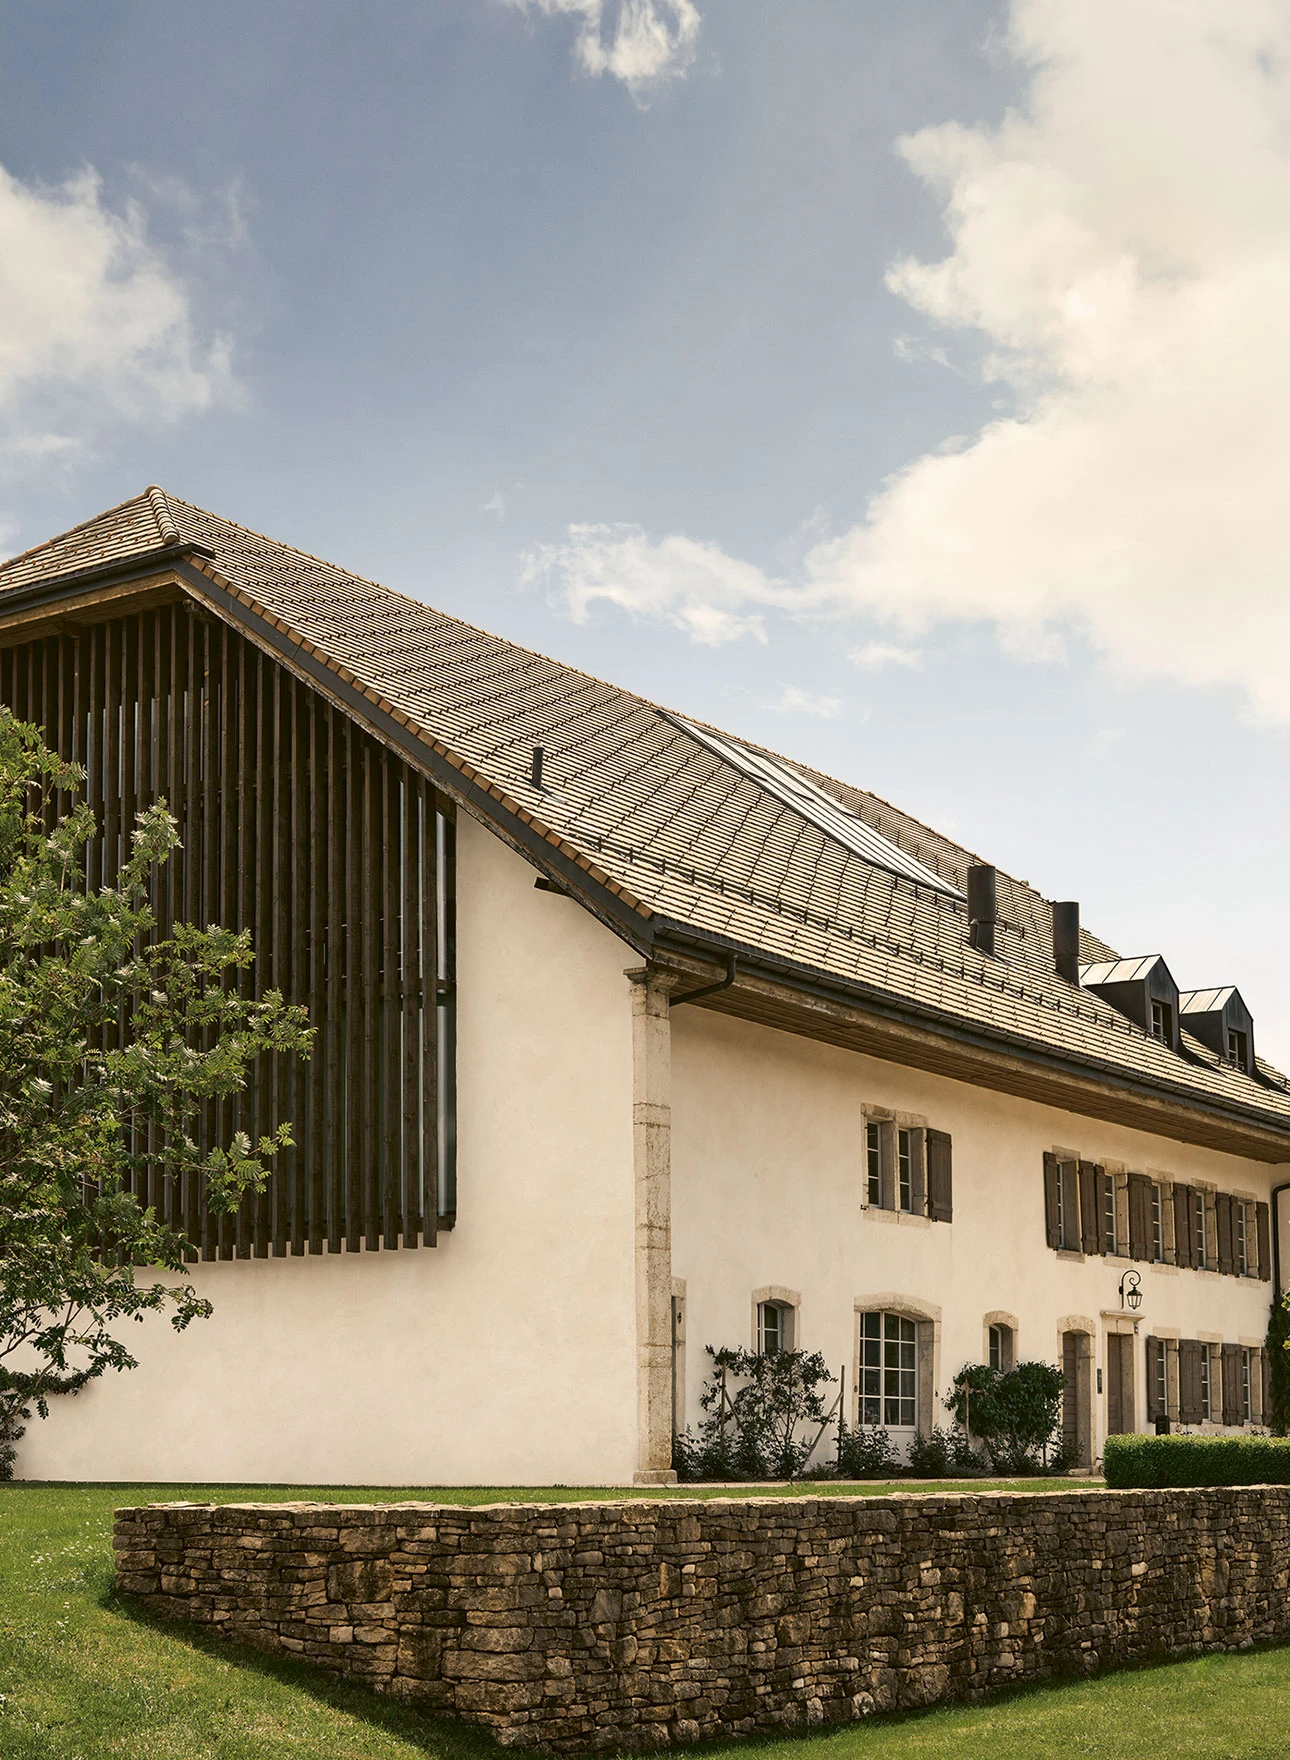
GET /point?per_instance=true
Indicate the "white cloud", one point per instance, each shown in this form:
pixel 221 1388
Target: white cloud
pixel 873 656
pixel 695 586
pixel 496 503
pixel 793 701
pixel 637 41
pixel 1119 241
pixel 95 324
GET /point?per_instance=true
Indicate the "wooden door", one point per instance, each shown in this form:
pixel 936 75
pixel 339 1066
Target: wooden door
pixel 1119 1383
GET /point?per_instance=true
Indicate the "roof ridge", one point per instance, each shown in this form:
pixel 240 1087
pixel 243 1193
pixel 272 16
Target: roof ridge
pixel 159 503
pixel 81 526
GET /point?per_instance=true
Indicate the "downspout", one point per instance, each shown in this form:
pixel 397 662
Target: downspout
pixel 708 989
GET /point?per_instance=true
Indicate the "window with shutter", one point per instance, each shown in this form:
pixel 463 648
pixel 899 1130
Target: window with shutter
pixel 1263 1241
pixel 1110 1213
pixel 1157 1389
pixel 1157 1223
pixel 1139 1216
pixel 1231 1354
pixel 873 1164
pixel 1241 1238
pixel 1191 1403
pixel 1090 1205
pixel 1208 1405
pixel 940 1176
pixel 1200 1237
pixel 1184 1222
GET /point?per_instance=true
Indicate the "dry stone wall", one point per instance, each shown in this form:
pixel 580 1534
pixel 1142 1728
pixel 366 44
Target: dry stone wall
pixel 638 1624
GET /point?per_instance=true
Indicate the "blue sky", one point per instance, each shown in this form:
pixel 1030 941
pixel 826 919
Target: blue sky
pixel 635 333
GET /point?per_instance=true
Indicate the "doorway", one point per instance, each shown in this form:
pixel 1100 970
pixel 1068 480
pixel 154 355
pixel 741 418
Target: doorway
pixel 1077 1395
pixel 1119 1383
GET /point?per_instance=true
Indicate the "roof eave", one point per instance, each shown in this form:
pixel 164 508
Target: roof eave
pixel 903 1031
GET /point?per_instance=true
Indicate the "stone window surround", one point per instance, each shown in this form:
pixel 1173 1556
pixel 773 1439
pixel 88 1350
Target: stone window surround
pixel 927 1318
pixel 787 1298
pixel 911 1121
pixel 997 1317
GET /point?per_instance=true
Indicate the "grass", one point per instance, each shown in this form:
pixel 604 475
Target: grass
pixel 84 1677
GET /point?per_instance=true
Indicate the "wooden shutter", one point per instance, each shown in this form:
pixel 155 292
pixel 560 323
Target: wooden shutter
pixel 1263 1237
pixel 1226 1238
pixel 1232 1413
pixel 1115 1389
pixel 1184 1232
pixel 1139 1216
pixel 1153 1408
pixel 1190 1409
pixel 1070 1388
pixel 1265 1381
pixel 1051 1176
pixel 1090 1207
pixel 940 1177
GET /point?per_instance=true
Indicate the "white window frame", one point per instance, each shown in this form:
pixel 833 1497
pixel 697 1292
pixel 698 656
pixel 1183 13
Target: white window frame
pixel 784 1316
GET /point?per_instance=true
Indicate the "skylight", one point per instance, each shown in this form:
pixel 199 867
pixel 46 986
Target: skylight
pixel 820 809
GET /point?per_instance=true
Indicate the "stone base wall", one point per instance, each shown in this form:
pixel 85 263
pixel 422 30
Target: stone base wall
pixel 609 1625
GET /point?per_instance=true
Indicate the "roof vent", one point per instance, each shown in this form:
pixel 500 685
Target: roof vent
pixel 1066 940
pixel 983 906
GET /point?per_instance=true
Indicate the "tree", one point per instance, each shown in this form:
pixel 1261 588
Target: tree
pixel 114 1046
pixel 751 1431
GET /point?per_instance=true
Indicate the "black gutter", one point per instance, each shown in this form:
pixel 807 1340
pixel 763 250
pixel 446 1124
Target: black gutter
pixel 679 938
pixel 732 964
pixel 41 595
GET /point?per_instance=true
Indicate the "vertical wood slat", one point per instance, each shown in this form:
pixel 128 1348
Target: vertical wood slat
pixel 353 990
pixel 297 825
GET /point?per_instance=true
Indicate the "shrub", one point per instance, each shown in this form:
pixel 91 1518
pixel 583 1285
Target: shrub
pixel 1016 1414
pixel 756 1405
pixel 945 1454
pixel 867 1454
pixel 1278 1417
pixel 1151 1461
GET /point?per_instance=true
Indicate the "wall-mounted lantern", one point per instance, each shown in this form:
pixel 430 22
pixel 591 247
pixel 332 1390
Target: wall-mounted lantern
pixel 1131 1291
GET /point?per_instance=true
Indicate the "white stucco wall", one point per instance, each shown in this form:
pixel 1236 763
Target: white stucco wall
pixel 504 1355
pixel 767 1192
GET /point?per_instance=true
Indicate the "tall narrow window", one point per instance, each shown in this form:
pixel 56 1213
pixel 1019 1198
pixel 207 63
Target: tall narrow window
pixel 1205 1410
pixel 1000 1348
pixel 905 1169
pixel 1157 1224
pixel 873 1161
pixel 1068 1217
pixel 888 1390
pixel 1162 1022
pixel 1247 1410
pixel 1161 1379
pixel 1110 1229
pixel 774 1328
pixel 1202 1232
pixel 1238 1051
pixel 1242 1238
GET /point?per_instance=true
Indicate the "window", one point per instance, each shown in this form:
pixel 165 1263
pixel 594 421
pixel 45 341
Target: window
pixel 1157 1224
pixel 1202 1233
pixel 1160 1379
pixel 1238 1049
pixel 1110 1230
pixel 905 1169
pixel 1000 1348
pixel 1247 1411
pixel 873 1160
pixel 1205 1389
pixel 1162 1022
pixel 774 1328
pixel 888 1370
pixel 1241 1242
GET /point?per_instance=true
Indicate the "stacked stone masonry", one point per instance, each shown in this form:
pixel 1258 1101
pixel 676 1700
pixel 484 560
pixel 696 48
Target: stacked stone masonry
pixel 639 1624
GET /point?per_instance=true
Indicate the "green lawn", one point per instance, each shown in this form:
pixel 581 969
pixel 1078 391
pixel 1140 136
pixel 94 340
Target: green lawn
pixel 81 1676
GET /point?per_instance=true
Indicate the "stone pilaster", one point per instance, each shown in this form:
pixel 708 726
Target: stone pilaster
pixel 652 1153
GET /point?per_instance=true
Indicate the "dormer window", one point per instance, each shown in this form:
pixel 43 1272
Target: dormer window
pixel 1221 1021
pixel 1162 1022
pixel 1141 988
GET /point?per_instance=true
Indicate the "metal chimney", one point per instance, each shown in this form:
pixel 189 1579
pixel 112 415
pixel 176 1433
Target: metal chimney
pixel 1066 940
pixel 983 909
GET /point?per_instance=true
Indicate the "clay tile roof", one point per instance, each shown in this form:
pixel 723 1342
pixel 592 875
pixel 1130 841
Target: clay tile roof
pixel 659 815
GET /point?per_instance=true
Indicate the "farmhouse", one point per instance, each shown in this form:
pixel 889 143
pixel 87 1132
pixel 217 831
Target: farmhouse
pixel 632 1038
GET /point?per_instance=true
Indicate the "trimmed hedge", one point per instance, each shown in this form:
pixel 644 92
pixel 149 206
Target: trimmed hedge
pixel 1131 1461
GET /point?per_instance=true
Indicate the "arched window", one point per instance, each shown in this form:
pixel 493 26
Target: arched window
pixel 774 1327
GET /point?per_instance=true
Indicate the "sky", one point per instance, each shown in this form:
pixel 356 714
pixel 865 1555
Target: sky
pixel 902 387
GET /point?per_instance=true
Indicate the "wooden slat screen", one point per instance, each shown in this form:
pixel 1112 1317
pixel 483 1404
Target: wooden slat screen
pixel 336 855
